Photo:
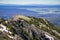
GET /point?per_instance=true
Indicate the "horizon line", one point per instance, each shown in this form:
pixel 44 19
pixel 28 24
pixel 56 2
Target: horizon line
pixel 28 4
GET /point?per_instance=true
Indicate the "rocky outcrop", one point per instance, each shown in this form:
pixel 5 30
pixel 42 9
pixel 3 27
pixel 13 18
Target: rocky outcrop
pixel 27 28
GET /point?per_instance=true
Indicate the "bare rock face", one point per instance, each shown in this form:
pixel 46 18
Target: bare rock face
pixel 21 27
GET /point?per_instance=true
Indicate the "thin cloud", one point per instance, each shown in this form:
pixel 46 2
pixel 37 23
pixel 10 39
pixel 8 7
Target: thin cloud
pixel 24 2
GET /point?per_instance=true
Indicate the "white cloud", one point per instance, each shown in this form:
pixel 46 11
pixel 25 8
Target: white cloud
pixel 30 2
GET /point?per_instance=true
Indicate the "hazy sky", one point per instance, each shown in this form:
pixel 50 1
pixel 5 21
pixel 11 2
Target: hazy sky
pixel 27 2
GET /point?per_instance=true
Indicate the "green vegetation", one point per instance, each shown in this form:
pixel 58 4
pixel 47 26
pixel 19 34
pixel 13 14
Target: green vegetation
pixel 41 20
pixel 4 37
pixel 33 21
pixel 50 31
pixel 7 25
pixel 57 29
pixel 36 22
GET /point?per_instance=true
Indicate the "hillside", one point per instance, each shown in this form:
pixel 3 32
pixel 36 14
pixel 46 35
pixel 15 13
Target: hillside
pixel 20 27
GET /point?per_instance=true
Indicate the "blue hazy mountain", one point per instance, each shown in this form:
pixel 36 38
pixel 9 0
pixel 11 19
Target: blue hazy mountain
pixel 29 6
pixel 51 13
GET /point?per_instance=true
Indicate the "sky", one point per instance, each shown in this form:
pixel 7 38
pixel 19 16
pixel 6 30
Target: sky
pixel 29 2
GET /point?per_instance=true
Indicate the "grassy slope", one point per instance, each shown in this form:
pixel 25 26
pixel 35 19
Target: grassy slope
pixel 36 21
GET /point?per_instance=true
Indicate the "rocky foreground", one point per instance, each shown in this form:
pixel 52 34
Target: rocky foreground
pixel 20 27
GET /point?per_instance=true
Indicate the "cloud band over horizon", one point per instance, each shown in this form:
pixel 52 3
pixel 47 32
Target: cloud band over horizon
pixel 28 2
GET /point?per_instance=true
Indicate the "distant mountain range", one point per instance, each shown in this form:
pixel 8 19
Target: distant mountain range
pixel 32 6
pixel 49 12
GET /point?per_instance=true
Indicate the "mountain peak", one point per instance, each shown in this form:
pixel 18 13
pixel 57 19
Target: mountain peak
pixel 30 29
pixel 21 17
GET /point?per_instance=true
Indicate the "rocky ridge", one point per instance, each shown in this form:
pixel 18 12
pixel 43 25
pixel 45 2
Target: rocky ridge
pixel 20 27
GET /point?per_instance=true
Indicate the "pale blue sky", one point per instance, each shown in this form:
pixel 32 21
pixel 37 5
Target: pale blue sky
pixel 27 2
